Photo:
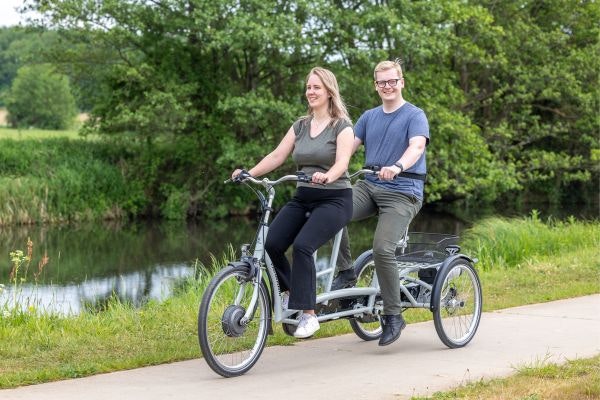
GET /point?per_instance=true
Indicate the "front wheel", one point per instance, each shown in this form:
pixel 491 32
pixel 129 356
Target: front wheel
pixel 230 343
pixel 367 326
pixel 458 311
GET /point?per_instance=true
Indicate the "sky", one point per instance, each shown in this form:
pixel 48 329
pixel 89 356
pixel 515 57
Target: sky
pixel 8 15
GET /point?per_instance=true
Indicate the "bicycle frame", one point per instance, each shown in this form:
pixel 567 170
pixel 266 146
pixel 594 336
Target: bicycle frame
pixel 267 268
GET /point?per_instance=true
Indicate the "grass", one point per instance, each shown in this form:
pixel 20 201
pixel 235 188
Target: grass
pixel 36 347
pixel 24 134
pixel 574 380
pixel 86 180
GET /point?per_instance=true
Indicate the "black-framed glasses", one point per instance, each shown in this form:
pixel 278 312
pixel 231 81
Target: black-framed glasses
pixel 390 82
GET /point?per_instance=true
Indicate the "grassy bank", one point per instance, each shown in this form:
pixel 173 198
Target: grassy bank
pixel 61 178
pixel 575 380
pixel 39 348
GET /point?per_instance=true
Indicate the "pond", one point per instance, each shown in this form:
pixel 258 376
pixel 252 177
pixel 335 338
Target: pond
pixel 89 263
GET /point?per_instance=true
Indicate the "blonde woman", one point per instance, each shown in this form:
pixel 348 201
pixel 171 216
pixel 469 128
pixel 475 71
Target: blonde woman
pixel 321 145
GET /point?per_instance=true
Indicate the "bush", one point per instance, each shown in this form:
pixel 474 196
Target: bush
pixel 41 98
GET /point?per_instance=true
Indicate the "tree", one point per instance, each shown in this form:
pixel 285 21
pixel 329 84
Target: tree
pixel 40 97
pixel 510 88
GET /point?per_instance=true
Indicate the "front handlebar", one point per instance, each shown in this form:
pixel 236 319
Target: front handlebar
pixel 244 176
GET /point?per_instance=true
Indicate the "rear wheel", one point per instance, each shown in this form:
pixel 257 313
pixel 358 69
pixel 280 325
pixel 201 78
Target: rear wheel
pixel 456 315
pixel 367 326
pixel 230 344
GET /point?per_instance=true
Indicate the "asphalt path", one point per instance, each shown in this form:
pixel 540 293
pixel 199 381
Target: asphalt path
pixel 345 367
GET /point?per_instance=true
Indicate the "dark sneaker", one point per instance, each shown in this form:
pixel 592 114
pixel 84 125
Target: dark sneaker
pixel 344 279
pixel 392 326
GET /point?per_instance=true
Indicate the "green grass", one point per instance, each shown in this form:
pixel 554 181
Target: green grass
pixel 37 348
pixel 574 380
pixel 25 134
pixel 508 243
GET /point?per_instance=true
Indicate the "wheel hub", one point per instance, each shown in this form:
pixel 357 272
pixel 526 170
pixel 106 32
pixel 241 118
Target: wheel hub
pixel 231 321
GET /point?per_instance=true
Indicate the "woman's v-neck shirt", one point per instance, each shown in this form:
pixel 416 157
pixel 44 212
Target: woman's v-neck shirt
pixel 317 154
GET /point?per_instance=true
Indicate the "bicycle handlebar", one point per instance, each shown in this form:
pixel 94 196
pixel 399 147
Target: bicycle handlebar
pixel 244 176
pixel 364 171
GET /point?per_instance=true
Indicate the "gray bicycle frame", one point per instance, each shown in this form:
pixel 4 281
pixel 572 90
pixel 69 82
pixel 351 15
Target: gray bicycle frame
pixel 371 291
pixel 268 268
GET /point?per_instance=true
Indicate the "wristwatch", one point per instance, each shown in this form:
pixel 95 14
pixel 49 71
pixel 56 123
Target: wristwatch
pixel 399 165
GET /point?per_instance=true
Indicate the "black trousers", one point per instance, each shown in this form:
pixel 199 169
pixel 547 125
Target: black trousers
pixel 308 221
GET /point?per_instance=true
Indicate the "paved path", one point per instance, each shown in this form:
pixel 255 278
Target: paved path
pixel 345 367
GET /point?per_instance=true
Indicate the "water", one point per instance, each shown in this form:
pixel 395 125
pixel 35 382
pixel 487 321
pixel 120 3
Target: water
pixel 90 263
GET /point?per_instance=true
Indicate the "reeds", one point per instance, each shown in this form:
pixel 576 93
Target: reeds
pixel 508 243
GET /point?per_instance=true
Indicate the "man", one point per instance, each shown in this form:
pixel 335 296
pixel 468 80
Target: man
pixel 395 135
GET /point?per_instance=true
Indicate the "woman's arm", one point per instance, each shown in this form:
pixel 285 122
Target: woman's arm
pixel 275 158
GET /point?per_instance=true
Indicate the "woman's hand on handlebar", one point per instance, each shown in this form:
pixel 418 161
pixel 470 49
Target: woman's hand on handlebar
pixel 239 175
pixel 235 173
pixel 320 178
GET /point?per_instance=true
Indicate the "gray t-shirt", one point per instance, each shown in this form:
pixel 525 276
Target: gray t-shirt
pixel 386 137
pixel 318 154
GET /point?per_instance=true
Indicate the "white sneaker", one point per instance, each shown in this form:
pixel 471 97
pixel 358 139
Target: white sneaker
pixel 308 324
pixel 285 299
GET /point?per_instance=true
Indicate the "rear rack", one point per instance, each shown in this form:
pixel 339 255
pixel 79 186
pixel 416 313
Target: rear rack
pixel 426 248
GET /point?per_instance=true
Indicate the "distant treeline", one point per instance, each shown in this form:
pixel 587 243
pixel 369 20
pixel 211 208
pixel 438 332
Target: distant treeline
pixel 190 89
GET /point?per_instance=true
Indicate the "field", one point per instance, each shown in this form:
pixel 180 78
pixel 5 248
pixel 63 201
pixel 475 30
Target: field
pixel 20 134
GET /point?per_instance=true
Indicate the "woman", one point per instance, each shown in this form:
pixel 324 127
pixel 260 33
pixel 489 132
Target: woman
pixel 321 145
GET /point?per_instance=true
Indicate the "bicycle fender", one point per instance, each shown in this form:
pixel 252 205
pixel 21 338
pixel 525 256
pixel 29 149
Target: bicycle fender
pixel 360 259
pixel 435 300
pixel 244 264
pixel 248 262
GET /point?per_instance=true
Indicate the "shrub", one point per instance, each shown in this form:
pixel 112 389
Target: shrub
pixel 41 98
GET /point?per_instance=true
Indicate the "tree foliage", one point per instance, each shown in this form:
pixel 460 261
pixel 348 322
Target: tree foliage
pixel 40 97
pixel 510 88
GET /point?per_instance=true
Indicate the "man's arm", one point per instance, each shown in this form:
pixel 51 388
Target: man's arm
pixel 356 145
pixel 416 147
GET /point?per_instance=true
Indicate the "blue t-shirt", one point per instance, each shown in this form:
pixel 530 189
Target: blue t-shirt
pixel 386 137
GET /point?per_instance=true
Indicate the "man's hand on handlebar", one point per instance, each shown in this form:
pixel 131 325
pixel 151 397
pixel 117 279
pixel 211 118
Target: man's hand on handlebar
pixel 388 173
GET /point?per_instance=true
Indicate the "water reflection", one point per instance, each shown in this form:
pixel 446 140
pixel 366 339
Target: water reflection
pixel 92 295
pixel 89 263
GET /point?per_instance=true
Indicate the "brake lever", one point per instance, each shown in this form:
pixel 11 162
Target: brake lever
pixel 240 177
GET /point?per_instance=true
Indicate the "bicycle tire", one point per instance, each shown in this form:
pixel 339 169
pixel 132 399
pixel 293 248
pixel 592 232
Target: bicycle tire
pixel 457 314
pixel 231 347
pixel 366 327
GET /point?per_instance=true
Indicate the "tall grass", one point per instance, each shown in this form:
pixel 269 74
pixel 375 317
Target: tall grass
pixel 56 180
pixel 508 243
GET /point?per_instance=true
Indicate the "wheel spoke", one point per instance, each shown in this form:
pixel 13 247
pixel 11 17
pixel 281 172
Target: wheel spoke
pixel 367 327
pixel 229 345
pixel 459 310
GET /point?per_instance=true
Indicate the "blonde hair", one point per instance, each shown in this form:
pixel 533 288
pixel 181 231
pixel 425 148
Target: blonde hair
pixel 337 108
pixel 385 65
